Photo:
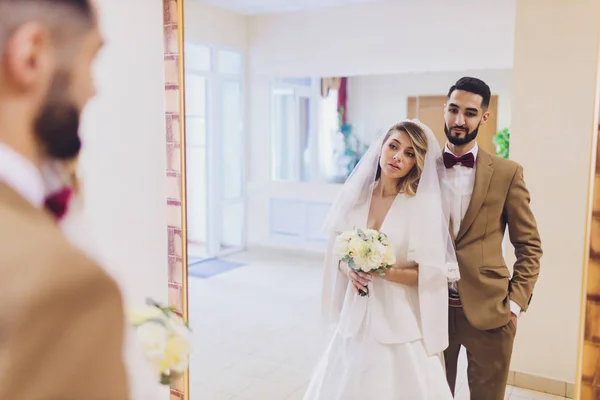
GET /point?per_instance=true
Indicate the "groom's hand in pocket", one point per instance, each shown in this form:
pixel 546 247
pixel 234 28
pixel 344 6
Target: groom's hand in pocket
pixel 514 318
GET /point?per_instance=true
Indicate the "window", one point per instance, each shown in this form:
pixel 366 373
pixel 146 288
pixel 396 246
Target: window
pixel 303 131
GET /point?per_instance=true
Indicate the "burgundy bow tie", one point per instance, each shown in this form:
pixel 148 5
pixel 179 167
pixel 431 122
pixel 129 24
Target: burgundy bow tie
pixel 58 202
pixel 467 160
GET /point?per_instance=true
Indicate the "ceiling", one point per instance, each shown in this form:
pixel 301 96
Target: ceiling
pixel 278 6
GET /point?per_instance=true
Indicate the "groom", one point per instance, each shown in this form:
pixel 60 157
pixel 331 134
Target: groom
pixel 484 195
pixel 61 316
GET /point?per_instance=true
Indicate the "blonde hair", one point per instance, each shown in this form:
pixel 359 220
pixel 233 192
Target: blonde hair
pixel 410 183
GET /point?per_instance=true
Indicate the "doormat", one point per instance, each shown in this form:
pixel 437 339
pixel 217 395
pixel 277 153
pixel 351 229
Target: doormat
pixel 195 260
pixel 208 268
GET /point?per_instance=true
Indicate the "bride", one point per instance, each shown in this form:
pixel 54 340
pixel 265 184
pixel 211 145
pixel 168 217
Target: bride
pixel 388 345
pixel 61 179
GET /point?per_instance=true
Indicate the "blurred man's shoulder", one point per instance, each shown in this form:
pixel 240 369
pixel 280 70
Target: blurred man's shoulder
pixel 34 251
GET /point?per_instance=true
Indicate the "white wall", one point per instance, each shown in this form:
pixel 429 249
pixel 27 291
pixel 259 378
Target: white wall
pixel 261 189
pixel 123 162
pixel 553 113
pixel 205 24
pixel 376 102
pixel 384 37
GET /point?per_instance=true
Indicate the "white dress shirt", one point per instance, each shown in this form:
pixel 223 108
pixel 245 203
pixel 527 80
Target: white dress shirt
pixel 22 176
pixel 458 189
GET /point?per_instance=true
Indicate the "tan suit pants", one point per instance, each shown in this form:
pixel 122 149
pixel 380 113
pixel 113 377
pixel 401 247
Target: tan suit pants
pixel 488 355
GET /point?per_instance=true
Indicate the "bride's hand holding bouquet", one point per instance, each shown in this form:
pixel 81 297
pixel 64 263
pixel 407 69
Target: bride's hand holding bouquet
pixel 364 252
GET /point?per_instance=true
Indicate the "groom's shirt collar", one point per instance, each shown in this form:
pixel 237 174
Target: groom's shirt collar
pixel 22 176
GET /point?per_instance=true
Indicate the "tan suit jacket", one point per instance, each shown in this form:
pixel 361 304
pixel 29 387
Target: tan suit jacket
pixel 499 199
pixel 61 316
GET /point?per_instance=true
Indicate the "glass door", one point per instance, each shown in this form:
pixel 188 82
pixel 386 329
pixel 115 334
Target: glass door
pixel 196 168
pixel 216 155
pixel 231 168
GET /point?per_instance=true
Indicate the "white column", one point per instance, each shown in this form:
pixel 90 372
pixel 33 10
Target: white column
pixel 554 106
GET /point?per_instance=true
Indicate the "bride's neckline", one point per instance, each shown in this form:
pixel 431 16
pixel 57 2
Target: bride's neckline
pixel 387 213
pixel 377 189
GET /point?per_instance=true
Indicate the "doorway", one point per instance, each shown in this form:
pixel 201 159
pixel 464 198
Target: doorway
pixel 214 152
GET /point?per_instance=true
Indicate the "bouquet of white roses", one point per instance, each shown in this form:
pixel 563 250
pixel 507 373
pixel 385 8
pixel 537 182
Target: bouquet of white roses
pixel 365 250
pixel 165 339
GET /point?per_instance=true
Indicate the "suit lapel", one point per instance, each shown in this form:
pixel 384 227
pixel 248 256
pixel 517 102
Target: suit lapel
pixel 11 199
pixel 483 176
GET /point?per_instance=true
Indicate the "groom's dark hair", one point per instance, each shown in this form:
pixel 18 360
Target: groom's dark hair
pixel 55 14
pixel 475 86
pixel 82 6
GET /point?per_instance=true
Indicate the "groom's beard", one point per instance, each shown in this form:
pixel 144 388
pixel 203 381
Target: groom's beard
pixel 457 141
pixel 57 122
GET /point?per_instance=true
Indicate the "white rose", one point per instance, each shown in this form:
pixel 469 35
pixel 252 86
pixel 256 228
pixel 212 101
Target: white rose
pixel 369 261
pixel 153 337
pixel 341 248
pixel 178 327
pixel 178 350
pixel 357 247
pixel 138 316
pixel 388 252
pixel 389 256
pixel 361 263
pixel 377 254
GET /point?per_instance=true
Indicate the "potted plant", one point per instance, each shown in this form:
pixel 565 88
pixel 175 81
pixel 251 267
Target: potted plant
pixel 502 142
pixel 353 147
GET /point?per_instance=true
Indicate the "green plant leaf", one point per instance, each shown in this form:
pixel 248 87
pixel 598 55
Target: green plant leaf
pixel 502 142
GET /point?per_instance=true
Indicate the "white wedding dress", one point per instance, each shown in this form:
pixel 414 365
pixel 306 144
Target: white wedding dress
pixel 377 351
pixel 143 383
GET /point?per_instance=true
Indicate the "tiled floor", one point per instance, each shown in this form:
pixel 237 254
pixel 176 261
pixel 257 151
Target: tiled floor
pixel 256 334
